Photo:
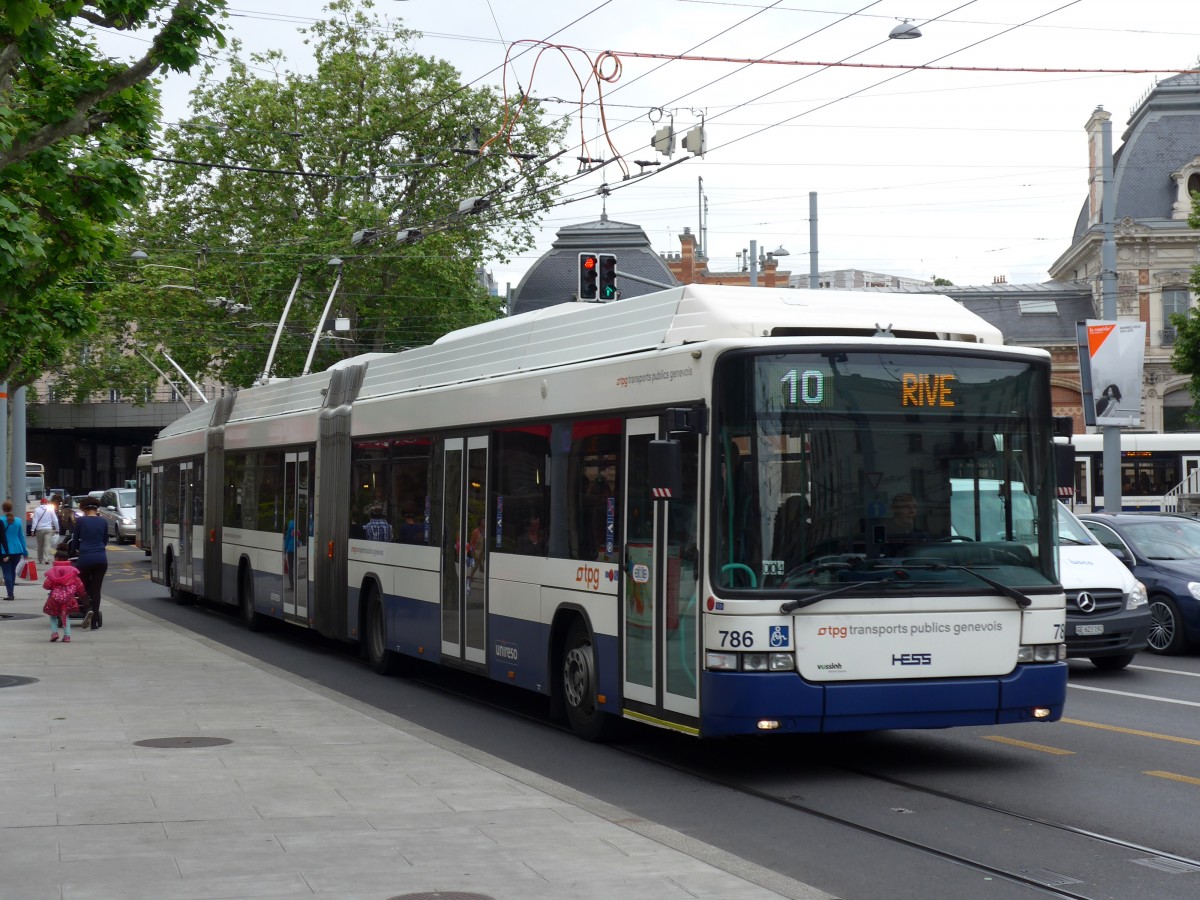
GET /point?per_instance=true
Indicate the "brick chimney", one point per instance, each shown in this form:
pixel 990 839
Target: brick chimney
pixel 687 257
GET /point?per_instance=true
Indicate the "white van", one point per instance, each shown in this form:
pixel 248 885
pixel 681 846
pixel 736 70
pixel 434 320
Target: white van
pixel 1108 617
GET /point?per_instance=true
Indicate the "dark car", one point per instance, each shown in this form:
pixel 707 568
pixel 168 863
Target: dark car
pixel 1164 553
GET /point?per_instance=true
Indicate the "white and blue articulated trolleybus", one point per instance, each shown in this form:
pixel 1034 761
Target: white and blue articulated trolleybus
pixel 679 509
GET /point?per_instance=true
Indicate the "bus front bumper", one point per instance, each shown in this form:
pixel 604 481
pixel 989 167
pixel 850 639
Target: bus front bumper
pixel 783 702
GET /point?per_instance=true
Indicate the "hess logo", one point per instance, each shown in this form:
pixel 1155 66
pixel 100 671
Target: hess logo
pixel 912 659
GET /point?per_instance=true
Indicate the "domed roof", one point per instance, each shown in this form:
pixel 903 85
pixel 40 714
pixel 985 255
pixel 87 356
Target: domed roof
pixel 1162 136
pixel 554 278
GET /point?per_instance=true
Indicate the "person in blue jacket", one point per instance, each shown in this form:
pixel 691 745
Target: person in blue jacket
pixel 12 546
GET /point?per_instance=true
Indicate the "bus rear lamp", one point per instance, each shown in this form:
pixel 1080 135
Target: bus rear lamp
pixel 212 535
pixel 329 550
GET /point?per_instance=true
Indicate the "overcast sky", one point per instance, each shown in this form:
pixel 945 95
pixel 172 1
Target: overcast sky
pixel 964 175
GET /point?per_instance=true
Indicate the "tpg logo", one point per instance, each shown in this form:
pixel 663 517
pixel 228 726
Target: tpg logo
pixel 589 576
pixel 912 659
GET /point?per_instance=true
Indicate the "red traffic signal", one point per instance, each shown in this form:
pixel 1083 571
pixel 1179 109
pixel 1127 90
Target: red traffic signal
pixel 588 270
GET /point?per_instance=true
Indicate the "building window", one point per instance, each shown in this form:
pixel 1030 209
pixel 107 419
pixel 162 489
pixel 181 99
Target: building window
pixel 1174 300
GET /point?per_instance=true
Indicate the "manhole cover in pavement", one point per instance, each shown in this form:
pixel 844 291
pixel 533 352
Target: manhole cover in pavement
pixel 442 895
pixel 15 680
pixel 177 742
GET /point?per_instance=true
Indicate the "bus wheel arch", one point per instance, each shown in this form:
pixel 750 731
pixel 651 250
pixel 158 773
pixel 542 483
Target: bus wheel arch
pixel 576 678
pixel 373 636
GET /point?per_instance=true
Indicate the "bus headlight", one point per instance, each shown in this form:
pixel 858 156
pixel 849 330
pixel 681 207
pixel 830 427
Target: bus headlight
pixel 781 662
pixel 1041 653
pixel 726 662
pixel 749 662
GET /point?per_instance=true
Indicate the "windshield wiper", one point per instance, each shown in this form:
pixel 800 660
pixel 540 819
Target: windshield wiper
pixel 844 589
pixel 1020 599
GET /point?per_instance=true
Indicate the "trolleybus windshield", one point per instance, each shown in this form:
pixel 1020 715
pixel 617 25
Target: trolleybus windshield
pixel 856 465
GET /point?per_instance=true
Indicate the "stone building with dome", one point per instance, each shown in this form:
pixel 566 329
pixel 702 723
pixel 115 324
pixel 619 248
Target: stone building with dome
pixel 1155 171
pixel 554 278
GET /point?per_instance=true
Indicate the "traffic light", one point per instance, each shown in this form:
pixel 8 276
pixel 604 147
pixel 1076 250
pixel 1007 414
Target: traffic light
pixel 588 271
pixel 664 140
pixel 608 276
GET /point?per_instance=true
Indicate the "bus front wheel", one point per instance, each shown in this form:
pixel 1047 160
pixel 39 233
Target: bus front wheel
pixel 579 686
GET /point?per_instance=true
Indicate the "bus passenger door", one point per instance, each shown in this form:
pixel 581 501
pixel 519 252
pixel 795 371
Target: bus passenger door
pixel 661 610
pixel 297 536
pixel 187 484
pixel 157 498
pixel 464 581
pixel 1083 485
pixel 1190 474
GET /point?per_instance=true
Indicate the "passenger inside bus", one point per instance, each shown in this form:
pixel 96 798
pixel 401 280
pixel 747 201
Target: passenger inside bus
pixel 412 531
pixel 532 540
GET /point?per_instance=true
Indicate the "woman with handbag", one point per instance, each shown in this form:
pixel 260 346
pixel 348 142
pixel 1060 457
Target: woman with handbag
pixel 12 546
pixel 87 543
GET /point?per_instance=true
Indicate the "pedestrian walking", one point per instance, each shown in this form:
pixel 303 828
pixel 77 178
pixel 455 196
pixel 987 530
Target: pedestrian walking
pixel 45 530
pixel 12 546
pixel 66 590
pixel 88 542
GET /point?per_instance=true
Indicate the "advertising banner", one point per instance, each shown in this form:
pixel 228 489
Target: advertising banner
pixel 1111 356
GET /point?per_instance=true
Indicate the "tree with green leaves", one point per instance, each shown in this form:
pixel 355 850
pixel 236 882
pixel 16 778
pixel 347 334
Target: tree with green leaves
pixel 1186 356
pixel 379 157
pixel 73 124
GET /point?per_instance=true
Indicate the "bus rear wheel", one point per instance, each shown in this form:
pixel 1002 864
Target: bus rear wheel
pixel 246 600
pixel 178 594
pixel 579 686
pixel 382 660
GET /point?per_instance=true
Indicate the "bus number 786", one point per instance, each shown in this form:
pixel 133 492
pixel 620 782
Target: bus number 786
pixel 737 638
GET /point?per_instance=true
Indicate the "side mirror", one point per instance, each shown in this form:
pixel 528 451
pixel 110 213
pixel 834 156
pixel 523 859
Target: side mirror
pixel 666 469
pixel 1122 554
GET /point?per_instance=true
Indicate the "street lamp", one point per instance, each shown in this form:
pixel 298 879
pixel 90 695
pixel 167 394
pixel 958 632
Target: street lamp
pixel 905 31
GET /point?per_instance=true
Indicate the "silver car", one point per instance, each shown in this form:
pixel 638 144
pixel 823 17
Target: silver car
pixel 119 507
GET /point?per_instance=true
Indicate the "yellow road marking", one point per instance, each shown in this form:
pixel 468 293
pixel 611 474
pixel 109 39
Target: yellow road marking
pixel 1150 734
pixel 1057 751
pixel 1186 779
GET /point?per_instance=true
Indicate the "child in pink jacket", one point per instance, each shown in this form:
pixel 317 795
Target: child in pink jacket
pixel 66 590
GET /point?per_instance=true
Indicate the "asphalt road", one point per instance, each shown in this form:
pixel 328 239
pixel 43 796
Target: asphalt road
pixel 1099 805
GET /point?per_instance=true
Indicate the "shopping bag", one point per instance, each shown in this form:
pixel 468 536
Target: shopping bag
pixel 29 570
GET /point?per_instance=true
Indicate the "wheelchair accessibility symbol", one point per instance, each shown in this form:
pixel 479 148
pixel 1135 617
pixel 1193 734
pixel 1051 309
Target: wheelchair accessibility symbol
pixel 780 636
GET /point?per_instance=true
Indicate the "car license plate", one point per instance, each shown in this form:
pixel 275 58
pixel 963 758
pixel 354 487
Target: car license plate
pixel 1089 629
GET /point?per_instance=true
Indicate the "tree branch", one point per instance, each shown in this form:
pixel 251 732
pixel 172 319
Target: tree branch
pixel 78 123
pixel 9 57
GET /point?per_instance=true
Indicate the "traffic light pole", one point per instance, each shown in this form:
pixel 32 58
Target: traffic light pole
pixel 640 280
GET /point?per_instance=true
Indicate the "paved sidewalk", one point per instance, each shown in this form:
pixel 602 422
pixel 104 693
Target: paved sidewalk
pixel 308 792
